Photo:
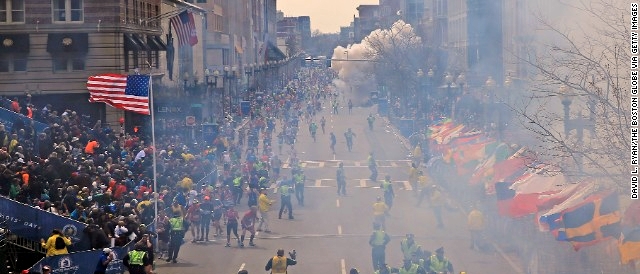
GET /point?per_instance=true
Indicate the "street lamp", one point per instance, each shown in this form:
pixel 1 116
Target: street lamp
pixel 488 100
pixel 448 79
pixel 421 106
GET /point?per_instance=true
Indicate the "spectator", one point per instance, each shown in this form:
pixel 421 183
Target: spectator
pixel 56 244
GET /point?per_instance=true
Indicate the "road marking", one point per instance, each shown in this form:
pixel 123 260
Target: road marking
pixel 357 163
pixel 339 230
pixel 241 267
pixel 407 185
pixel 321 164
pixel 318 182
pixel 303 164
pixel 363 182
pixel 338 203
pixel 394 164
pixel 343 266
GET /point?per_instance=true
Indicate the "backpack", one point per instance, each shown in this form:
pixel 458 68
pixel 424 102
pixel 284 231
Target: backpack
pixel 60 244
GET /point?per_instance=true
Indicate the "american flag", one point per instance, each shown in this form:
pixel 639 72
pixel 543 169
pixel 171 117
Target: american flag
pixel 185 27
pixel 127 92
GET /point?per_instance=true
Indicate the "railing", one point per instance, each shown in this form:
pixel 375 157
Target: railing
pixel 24 243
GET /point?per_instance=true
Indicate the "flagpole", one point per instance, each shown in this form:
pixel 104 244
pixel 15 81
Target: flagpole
pixel 155 150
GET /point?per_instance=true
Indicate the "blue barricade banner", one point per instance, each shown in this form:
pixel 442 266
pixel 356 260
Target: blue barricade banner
pixel 383 106
pixel 210 132
pixel 405 126
pixel 35 224
pixel 9 118
pixel 245 108
pixel 84 262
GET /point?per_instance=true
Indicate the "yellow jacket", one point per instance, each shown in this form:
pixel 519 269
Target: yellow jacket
pixel 380 208
pixel 475 220
pixel 264 204
pixel 50 246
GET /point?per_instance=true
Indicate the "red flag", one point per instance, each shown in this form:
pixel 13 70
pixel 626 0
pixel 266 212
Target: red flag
pixel 121 91
pixel 185 27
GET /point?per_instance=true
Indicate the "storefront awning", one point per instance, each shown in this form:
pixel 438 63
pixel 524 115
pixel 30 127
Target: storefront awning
pixel 274 53
pixel 131 44
pixel 14 43
pixel 68 42
pixel 155 43
pixel 143 45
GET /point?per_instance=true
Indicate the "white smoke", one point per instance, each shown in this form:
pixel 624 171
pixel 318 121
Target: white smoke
pixel 355 74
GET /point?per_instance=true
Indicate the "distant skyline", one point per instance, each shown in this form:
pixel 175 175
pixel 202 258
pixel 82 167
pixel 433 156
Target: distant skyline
pixel 326 15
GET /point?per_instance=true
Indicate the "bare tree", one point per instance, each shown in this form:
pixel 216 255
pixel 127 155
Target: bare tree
pixel 398 53
pixel 584 70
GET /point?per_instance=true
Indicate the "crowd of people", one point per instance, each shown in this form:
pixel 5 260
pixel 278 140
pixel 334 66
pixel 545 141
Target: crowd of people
pixel 89 172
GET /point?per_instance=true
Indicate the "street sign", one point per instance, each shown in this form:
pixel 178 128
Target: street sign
pixel 190 120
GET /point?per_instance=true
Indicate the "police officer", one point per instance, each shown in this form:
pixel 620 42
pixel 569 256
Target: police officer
pixel 378 241
pixel 138 261
pixel 342 180
pixel 237 189
pixel 438 263
pixel 409 247
pixel 279 263
pixel 387 187
pixel 285 198
pixel 411 268
pixel 299 179
pixel 178 227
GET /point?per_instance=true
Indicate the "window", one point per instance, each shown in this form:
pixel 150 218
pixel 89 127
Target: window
pixel 68 11
pixel 201 1
pixel 13 62
pixel 11 11
pixel 68 62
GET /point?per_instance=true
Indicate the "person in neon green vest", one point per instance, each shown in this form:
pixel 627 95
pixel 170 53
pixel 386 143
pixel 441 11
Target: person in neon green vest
pixel 438 263
pixel 138 260
pixel 285 191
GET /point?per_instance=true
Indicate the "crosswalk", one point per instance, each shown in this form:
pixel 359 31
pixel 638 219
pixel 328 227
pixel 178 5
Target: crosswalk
pixel 358 183
pixel 351 164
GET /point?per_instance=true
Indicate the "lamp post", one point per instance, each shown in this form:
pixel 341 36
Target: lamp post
pixel 448 79
pixel 488 100
pixel 185 79
pixel 579 123
pixel 421 105
pixel 226 97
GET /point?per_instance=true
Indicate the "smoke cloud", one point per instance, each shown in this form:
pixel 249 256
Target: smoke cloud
pixel 356 74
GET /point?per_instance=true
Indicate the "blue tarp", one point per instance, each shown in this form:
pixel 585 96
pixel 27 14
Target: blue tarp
pixel 8 118
pixel 35 224
pixel 84 262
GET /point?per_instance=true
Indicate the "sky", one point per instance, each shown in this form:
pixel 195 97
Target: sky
pixel 326 15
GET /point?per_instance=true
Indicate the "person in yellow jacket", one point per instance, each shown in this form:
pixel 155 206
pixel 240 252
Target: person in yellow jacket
pixel 475 223
pixel 50 243
pixel 423 185
pixel 279 263
pixel 437 203
pixel 380 210
pixel 413 178
pixel 264 205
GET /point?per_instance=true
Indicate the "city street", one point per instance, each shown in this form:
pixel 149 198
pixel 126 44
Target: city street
pixel 330 233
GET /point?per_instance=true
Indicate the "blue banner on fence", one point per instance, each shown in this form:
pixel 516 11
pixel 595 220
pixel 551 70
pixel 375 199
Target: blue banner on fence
pixel 245 108
pixel 8 118
pixel 210 132
pixel 405 126
pixel 35 224
pixel 84 262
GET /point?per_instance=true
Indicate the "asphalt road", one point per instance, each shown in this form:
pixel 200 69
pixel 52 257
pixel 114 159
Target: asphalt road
pixel 330 233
